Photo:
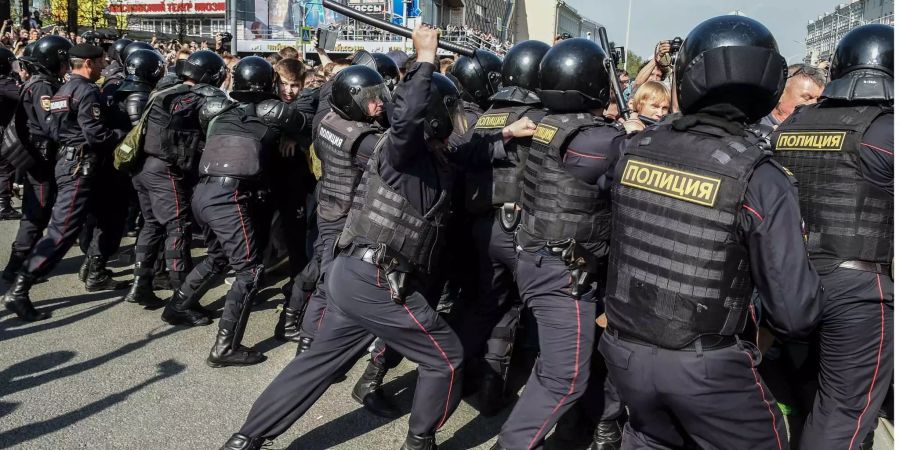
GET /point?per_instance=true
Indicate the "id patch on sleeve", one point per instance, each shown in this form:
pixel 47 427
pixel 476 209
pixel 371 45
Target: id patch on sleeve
pixel 59 104
pixel 491 121
pixel 819 141
pixel 45 102
pixel 95 111
pixel 679 184
pixel 544 133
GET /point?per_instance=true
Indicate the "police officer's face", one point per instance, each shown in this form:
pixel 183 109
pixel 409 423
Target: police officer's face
pixel 376 107
pixel 97 64
pixel 289 90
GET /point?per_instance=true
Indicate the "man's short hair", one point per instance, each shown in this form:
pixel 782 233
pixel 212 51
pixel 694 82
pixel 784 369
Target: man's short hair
pixel 290 69
pixel 273 58
pixel 814 74
pixel 289 53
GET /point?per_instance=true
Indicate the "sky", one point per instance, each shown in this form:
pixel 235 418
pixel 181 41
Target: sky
pixel 656 20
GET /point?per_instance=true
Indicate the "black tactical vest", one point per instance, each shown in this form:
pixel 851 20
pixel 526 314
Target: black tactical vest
pixel 677 267
pixel 503 184
pixel 236 140
pixel 555 205
pixel 173 127
pixel 848 218
pixel 336 143
pixel 381 215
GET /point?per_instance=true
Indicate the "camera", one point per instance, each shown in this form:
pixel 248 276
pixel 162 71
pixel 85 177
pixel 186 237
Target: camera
pixel 675 45
pixel 226 36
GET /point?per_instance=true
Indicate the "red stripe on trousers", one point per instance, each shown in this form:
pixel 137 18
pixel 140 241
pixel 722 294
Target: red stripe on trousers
pixel 877 366
pixel 446 359
pixel 762 393
pixel 243 227
pixel 177 212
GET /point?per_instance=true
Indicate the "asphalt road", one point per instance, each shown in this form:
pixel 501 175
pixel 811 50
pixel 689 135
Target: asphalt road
pixel 103 374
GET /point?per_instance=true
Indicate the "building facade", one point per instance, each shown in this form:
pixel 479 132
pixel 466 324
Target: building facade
pixel 187 18
pixel 545 19
pixel 824 32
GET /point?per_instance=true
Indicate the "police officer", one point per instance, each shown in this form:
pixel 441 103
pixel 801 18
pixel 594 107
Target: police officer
pixel 841 151
pixel 494 198
pixel 116 68
pixel 240 138
pixel 9 97
pixel 563 234
pixel 47 63
pixel 345 140
pixel 145 68
pixel 384 257
pixel 174 137
pixel 701 216
pixel 85 142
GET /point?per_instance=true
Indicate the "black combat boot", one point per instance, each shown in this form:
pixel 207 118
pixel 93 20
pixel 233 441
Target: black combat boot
pixel 14 265
pixel 7 212
pixel 368 392
pixel 84 269
pixel 491 396
pixel 225 353
pixel 179 311
pixel 17 300
pixel 416 442
pixel 305 344
pixel 240 442
pixel 141 291
pixel 99 278
pixel 288 326
pixel 607 436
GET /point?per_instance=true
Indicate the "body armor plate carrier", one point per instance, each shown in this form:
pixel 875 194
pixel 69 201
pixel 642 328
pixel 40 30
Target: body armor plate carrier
pixel 382 216
pixel 848 218
pixel 558 207
pixel 336 143
pixel 678 269
pixel 486 190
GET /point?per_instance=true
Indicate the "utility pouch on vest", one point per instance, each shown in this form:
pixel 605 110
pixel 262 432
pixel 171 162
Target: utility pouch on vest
pixel 509 214
pixel 582 265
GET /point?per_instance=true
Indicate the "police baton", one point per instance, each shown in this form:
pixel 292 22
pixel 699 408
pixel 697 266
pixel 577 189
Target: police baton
pixel 391 28
pixel 613 79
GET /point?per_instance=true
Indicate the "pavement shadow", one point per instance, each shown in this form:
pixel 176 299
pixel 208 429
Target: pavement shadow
pixel 25 433
pixel 15 378
pixel 13 328
pixel 360 421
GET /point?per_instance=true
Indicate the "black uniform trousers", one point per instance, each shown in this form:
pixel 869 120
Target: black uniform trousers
pixel 566 337
pixel 359 306
pixel 488 325
pixel 856 359
pixel 164 194
pixel 38 197
pixel 324 248
pixel 713 398
pixel 7 177
pixel 228 210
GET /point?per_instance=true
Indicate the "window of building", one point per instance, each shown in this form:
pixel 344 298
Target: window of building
pixel 216 26
pixel 479 10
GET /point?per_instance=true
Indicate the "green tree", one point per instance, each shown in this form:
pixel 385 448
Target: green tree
pixel 634 64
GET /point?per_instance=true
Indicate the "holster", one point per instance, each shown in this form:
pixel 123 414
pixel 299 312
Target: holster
pixel 396 271
pixel 509 215
pixel 582 265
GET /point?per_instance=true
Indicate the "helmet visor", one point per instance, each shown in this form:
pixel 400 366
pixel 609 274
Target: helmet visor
pixel 371 99
pixel 456 115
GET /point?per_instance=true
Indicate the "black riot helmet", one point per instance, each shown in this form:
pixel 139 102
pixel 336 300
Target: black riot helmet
pixel 382 64
pixel 253 80
pixel 522 63
pixel 388 70
pixel 445 115
pixel 573 77
pixel 730 60
pixel 353 89
pixel 6 61
pixel 117 48
pixel 862 68
pixel 133 47
pixel 203 66
pixel 867 47
pixel 144 68
pixel 50 54
pixel 478 76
